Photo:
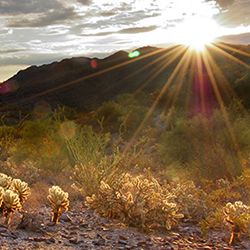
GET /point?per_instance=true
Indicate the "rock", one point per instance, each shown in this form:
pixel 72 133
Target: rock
pixel 65 218
pixel 74 241
pixel 123 242
pixel 99 242
pixel 51 224
pixel 3 230
pixel 51 240
pixel 121 237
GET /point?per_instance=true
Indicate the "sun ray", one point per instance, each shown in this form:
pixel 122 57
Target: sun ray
pixel 152 108
pixel 222 45
pixel 222 106
pixel 165 64
pixel 180 80
pixel 224 84
pixel 231 57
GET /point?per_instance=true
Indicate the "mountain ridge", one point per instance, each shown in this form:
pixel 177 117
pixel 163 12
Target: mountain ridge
pixel 85 83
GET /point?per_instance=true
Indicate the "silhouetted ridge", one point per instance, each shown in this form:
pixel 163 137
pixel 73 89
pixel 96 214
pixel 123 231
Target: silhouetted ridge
pixel 85 83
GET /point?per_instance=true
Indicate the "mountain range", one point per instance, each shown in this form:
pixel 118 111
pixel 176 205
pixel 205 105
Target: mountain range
pixel 85 83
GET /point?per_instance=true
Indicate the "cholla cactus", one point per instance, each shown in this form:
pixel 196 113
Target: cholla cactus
pixel 5 181
pixel 238 217
pixel 59 200
pixel 21 188
pixel 1 196
pixel 11 204
pixel 139 201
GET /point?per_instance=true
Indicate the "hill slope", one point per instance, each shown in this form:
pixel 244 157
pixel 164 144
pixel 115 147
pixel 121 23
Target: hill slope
pixel 85 83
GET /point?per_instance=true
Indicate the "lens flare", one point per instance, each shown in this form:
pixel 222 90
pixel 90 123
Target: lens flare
pixel 134 54
pixel 67 129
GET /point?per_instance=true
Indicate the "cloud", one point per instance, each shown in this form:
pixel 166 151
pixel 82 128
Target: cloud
pixel 236 14
pixel 5 52
pixel 85 2
pixel 98 34
pixel 34 13
pixel 107 14
pixel 137 30
pixel 223 3
pixel 43 20
pixel 16 7
pixel 236 39
pixel 232 12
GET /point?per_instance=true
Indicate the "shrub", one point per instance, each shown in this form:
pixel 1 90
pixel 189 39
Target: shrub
pixel 85 146
pixel 41 144
pixel 213 146
pixel 218 194
pixel 109 112
pixel 107 168
pixel 191 200
pixel 139 201
pixel 8 136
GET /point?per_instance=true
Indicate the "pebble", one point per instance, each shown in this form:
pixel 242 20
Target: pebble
pixel 74 241
pixel 3 230
pixel 65 218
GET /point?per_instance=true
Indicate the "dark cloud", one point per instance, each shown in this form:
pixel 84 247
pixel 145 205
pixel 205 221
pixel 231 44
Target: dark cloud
pixel 236 14
pixel 137 30
pixel 107 14
pixel 222 3
pixel 98 34
pixel 57 16
pixel 16 7
pixel 11 51
pixel 85 2
pixel 233 12
pixel 236 39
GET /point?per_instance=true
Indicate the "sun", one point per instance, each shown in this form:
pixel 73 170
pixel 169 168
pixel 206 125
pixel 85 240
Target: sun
pixel 196 32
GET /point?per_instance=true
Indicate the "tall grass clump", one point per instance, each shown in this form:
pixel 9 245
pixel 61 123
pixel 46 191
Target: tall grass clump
pixel 93 162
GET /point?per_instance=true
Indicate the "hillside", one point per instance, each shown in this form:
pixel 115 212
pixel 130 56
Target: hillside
pixel 85 83
pixel 75 83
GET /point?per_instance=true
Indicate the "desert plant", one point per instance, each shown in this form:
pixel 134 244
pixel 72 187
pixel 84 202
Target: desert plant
pixel 59 200
pixel 106 168
pixel 8 135
pixel 109 112
pixel 207 146
pixel 1 196
pixel 5 181
pixel 191 199
pixel 41 144
pixel 86 146
pixel 237 215
pixel 21 188
pixel 11 204
pixel 139 201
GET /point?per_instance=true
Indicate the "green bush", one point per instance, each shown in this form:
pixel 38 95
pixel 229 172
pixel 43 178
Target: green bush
pixel 109 112
pixel 207 146
pixel 41 144
pixel 8 136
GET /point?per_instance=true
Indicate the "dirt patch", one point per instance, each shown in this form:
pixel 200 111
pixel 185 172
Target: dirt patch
pixel 80 228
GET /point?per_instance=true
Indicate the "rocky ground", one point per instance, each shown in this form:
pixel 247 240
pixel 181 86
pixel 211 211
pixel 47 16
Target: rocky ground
pixel 80 228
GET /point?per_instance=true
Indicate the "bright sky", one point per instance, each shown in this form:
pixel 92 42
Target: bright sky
pixel 35 32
